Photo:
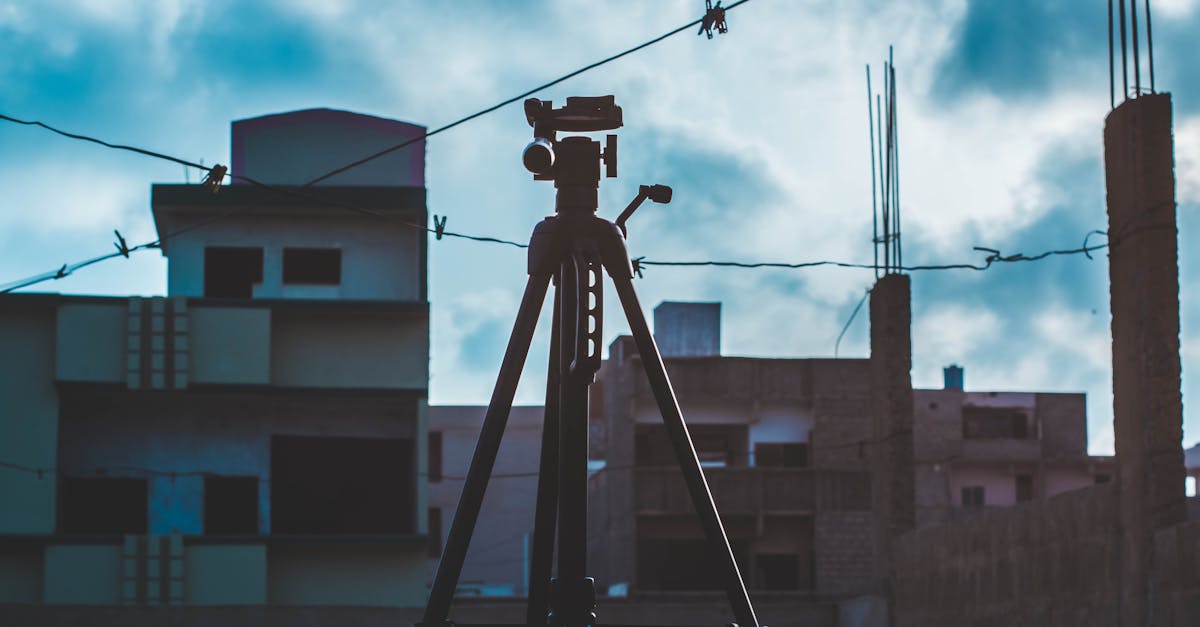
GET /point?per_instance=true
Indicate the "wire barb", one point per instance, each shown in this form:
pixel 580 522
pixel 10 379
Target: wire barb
pixel 120 244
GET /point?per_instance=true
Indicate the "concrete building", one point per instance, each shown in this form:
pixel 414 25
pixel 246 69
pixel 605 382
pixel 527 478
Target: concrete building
pixel 786 445
pixel 774 436
pixel 978 450
pixel 255 437
pixel 498 560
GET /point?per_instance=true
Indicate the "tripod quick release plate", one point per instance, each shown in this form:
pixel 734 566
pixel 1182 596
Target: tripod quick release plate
pixel 581 114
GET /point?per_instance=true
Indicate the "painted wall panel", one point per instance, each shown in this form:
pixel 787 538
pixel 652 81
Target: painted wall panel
pixel 82 574
pixel 230 345
pixel 379 261
pixel 226 575
pixel 91 342
pixel 350 350
pixel 21 575
pixel 28 420
pixel 346 575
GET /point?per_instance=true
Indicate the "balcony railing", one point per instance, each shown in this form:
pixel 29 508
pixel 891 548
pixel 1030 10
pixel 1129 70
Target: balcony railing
pixel 755 490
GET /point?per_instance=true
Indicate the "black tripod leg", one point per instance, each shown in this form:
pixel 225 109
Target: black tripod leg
pixel 463 525
pixel 546 513
pixel 743 611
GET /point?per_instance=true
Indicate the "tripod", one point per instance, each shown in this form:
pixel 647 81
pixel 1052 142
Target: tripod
pixel 573 248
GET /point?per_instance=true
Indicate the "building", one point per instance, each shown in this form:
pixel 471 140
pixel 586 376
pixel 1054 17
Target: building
pixel 786 446
pixel 975 450
pixel 498 559
pixel 255 437
pixel 778 442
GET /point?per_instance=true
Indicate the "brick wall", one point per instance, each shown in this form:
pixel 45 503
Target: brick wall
pixel 1175 592
pixel 1054 562
pixel 844 552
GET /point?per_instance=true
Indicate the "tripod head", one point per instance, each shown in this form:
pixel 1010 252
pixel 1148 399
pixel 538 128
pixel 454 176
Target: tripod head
pixel 573 163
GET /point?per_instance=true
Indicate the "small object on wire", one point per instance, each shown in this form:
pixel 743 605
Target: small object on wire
pixel 637 266
pixel 62 272
pixel 213 180
pixel 439 226
pixel 122 247
pixel 714 17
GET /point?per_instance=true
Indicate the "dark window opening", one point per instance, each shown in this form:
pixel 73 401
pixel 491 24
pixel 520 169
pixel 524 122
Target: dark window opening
pixel 231 505
pixel 434 471
pixel 777 572
pixel 341 485
pixel 1102 479
pixel 716 446
pixel 972 496
pixel 103 505
pixel 435 531
pixel 312 266
pixel 683 565
pixel 1024 488
pixel 232 272
pixel 994 423
pixel 772 455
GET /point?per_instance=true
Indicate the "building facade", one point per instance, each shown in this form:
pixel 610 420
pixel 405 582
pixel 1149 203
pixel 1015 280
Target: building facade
pixel 256 436
pixel 979 450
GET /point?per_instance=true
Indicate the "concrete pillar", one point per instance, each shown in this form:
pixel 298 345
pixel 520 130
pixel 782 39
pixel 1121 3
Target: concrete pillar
pixel 892 485
pixel 1144 290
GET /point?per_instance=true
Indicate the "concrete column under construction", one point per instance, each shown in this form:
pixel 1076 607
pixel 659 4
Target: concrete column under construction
pixel 892 485
pixel 1144 291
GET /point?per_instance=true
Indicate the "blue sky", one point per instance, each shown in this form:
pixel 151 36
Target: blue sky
pixel 761 132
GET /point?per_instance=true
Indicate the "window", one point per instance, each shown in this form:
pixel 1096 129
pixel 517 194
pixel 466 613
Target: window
pixel 232 272
pixel 434 472
pixel 312 266
pixel 102 505
pixel 1024 488
pixel 683 564
pixel 715 445
pixel 994 423
pixel 972 496
pixel 777 572
pixel 341 485
pixel 772 455
pixel 231 505
pixel 435 531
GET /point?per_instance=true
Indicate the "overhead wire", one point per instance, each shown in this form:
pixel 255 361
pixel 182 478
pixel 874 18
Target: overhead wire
pixel 68 268
pixel 518 97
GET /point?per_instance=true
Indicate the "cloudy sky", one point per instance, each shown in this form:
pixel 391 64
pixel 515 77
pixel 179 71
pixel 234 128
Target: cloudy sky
pixel 761 132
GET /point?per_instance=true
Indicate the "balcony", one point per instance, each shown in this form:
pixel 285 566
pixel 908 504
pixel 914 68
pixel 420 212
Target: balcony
pixel 661 490
pixel 1015 450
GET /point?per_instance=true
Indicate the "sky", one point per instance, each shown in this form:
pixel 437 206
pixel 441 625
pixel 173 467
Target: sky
pixel 762 133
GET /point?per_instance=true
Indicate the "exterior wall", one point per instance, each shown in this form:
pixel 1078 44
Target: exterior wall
pixel 664 610
pixel 220 433
pixel 293 148
pixel 1177 575
pixel 380 261
pixel 82 574
pixel 845 552
pixel 230 345
pixel 225 574
pixel 21 574
pixel 357 574
pixel 1053 562
pixel 688 329
pixel 999 484
pixel 498 555
pixel 28 418
pixel 350 349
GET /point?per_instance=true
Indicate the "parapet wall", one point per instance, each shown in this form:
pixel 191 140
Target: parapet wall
pixel 1054 562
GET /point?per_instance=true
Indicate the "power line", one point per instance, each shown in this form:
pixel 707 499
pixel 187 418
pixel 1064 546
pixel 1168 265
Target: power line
pixel 68 268
pixel 516 98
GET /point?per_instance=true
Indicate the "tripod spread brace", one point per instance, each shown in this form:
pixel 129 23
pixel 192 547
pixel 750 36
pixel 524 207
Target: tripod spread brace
pixel 573 248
